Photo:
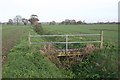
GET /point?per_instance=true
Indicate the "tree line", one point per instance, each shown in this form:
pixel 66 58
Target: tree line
pixel 34 20
pixel 19 20
pixel 68 22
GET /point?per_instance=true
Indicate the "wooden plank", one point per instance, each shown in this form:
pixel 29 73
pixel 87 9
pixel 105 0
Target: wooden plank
pixel 64 35
pixel 60 55
pixel 29 40
pixel 63 50
pixel 66 42
pixel 101 44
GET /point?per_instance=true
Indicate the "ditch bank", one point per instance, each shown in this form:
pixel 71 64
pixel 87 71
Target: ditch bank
pixel 25 62
pixel 92 65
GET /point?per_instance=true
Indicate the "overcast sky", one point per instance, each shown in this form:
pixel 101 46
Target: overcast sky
pixel 59 10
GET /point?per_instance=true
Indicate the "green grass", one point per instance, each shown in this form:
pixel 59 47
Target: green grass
pixel 107 57
pixel 10 35
pixel 23 62
pixel 78 29
pixel 99 64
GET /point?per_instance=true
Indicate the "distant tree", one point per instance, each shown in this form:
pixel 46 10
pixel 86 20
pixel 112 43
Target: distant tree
pixel 108 22
pixel 67 21
pixel 79 22
pixel 33 19
pixel 18 19
pixel 52 23
pixel 10 21
pixel 34 22
pixel 25 21
pixel 84 22
pixel 72 22
pixel 63 22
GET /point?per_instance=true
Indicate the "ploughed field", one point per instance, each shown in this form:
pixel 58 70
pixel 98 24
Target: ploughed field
pixel 10 35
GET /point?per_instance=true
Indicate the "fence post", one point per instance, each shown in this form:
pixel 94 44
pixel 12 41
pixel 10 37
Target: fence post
pixel 101 44
pixel 29 40
pixel 66 44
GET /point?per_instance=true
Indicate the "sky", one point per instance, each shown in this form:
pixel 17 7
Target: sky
pixel 59 10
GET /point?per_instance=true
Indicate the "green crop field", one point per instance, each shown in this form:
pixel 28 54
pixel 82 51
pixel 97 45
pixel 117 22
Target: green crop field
pixel 55 39
pixel 110 30
pixel 10 35
pixel 25 62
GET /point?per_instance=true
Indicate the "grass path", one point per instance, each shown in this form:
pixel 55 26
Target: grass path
pixel 10 35
pixel 23 62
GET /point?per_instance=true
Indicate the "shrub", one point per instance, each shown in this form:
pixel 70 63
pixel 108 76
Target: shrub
pixel 38 28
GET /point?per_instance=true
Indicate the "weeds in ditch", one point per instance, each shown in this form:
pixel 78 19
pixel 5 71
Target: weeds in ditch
pixel 93 62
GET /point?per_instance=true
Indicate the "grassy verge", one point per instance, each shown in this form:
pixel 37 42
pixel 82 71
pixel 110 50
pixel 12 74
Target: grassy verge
pixel 23 62
pixel 10 35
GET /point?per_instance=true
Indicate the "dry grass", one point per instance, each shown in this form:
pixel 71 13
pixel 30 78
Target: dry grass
pixel 66 61
pixel 51 54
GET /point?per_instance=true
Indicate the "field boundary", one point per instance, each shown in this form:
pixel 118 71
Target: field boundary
pixel 66 50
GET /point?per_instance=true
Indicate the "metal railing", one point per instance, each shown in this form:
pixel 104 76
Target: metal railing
pixel 101 40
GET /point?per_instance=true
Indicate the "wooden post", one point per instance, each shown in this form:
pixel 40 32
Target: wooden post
pixel 29 40
pixel 66 44
pixel 101 44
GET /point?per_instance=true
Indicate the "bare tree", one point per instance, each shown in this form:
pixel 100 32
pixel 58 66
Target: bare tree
pixel 67 21
pixel 33 19
pixel 72 22
pixel 63 22
pixel 10 21
pixel 52 23
pixel 25 21
pixel 79 22
pixel 84 22
pixel 18 19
